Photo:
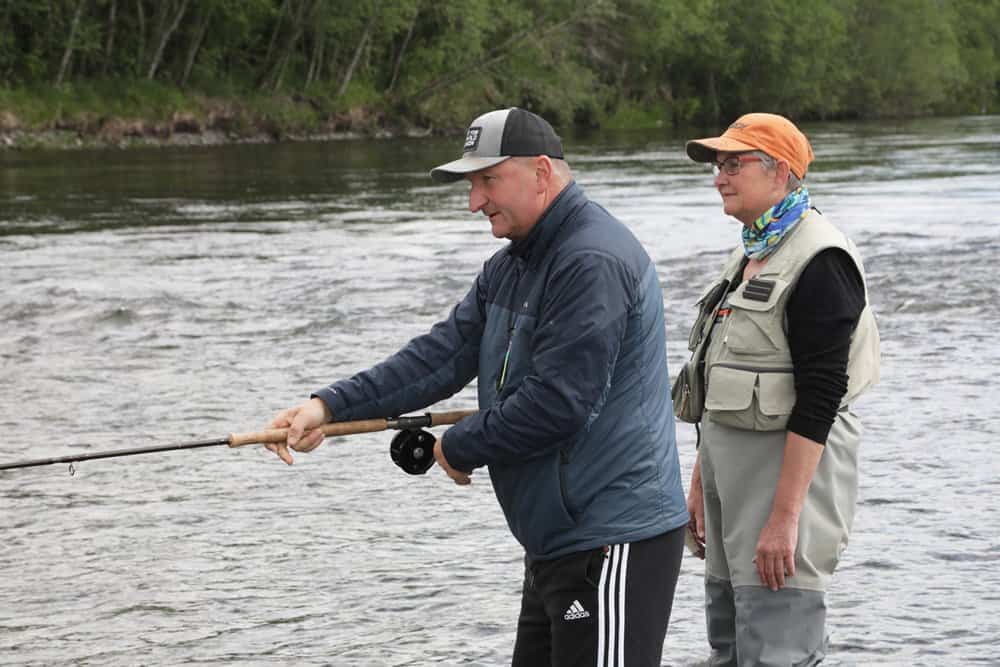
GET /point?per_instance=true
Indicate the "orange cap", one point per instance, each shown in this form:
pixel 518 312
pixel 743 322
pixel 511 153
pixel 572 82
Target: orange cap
pixel 775 135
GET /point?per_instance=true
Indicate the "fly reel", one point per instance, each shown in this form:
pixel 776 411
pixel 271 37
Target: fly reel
pixel 413 450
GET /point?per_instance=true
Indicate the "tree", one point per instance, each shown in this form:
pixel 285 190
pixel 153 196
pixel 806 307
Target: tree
pixel 576 61
pixel 168 18
pixel 915 71
pixel 977 31
pixel 68 52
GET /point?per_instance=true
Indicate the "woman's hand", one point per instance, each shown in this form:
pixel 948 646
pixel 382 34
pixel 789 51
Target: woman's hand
pixel 695 538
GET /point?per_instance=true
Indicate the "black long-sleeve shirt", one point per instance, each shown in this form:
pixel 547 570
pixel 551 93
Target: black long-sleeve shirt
pixel 822 313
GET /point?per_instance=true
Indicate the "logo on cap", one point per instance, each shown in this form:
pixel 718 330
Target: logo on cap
pixel 472 139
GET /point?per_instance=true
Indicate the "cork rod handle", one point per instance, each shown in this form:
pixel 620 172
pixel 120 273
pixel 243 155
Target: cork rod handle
pixel 340 428
pixel 453 417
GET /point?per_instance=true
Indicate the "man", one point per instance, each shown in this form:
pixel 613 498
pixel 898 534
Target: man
pixel 564 330
pixel 786 342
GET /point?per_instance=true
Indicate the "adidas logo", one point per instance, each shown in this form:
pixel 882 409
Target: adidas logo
pixel 576 611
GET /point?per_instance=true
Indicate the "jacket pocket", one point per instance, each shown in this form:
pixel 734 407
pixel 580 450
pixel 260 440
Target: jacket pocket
pixel 534 501
pixel 752 399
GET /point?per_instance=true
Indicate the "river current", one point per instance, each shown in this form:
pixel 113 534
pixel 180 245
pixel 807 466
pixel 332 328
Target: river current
pixel 154 296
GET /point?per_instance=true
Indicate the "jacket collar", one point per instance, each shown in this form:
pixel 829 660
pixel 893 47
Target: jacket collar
pixel 538 240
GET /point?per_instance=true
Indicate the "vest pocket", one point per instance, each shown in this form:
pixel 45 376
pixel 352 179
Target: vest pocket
pixel 755 326
pixel 752 399
pixel 745 335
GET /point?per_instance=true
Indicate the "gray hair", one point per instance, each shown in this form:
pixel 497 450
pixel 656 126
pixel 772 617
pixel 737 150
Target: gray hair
pixel 562 168
pixel 559 167
pixel 770 164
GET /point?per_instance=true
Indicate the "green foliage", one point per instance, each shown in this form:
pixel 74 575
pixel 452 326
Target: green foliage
pixel 635 118
pixel 616 63
pixel 916 70
pixel 977 29
pixel 44 105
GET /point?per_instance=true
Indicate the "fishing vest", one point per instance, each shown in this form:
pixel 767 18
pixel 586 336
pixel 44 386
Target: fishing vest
pixel 749 383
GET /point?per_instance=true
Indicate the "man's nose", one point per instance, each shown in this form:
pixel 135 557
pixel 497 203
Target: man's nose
pixel 476 199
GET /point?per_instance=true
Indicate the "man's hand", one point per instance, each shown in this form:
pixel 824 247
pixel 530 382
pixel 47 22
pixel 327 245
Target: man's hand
pixel 461 478
pixel 303 424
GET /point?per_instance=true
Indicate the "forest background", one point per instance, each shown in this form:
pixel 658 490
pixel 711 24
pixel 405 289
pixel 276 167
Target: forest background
pixel 115 70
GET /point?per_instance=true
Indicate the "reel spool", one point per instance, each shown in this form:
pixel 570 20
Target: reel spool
pixel 413 450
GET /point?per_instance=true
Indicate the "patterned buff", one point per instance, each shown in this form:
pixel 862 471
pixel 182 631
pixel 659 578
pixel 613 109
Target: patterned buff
pixel 763 237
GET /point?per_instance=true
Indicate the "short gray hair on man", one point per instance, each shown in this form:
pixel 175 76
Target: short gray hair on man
pixel 794 182
pixel 559 167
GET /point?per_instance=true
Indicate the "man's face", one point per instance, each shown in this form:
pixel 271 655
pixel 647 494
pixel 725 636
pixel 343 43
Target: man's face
pixel 510 194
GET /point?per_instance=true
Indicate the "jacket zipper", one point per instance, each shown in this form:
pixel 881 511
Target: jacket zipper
pixel 511 325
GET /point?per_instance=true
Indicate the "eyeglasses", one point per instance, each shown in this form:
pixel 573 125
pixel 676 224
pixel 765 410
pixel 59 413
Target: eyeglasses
pixel 732 164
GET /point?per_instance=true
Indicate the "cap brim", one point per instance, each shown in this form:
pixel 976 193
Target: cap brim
pixel 704 150
pixel 456 170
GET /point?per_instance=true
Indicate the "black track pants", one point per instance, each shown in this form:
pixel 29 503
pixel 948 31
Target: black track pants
pixel 605 608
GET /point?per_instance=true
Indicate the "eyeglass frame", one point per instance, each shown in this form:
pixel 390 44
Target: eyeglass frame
pixel 730 170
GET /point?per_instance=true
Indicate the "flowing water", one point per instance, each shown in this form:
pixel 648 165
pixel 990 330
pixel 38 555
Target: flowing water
pixel 154 296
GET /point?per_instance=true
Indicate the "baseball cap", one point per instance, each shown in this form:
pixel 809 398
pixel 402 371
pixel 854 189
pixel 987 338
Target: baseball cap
pixel 775 135
pixel 497 136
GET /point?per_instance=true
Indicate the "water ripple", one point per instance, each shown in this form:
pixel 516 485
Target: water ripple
pixel 211 288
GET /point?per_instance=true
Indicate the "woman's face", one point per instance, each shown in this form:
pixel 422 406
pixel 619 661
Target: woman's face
pixel 753 189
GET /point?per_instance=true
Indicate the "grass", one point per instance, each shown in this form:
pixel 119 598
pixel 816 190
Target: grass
pixel 85 106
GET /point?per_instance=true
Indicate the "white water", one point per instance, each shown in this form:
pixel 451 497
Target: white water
pixel 159 296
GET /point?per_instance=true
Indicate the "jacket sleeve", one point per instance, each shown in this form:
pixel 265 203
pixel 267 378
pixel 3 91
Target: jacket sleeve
pixel 575 346
pixel 427 369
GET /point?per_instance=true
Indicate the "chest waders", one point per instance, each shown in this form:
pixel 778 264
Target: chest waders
pixel 749 396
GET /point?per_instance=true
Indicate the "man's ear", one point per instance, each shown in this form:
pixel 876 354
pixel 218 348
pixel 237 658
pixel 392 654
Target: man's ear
pixel 543 171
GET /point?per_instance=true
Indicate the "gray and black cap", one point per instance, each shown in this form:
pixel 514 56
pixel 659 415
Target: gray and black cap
pixel 497 136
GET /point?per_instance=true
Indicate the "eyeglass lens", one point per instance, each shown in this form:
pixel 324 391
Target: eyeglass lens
pixel 731 165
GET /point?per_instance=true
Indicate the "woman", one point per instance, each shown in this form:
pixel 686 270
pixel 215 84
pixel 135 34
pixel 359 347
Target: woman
pixel 784 343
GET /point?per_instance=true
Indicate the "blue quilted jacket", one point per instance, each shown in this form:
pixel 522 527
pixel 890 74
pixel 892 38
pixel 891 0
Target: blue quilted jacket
pixel 564 330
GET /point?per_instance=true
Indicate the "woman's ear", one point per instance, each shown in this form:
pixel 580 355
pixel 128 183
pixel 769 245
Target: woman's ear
pixel 782 171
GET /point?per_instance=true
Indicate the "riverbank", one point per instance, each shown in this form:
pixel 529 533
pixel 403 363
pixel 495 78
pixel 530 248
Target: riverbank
pixel 73 118
pixel 184 130
pixel 109 114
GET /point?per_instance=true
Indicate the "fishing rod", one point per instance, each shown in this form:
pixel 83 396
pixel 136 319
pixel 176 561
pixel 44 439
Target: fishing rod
pixel 411 449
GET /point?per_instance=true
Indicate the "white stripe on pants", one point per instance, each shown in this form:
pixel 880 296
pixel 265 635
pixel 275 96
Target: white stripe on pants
pixel 611 608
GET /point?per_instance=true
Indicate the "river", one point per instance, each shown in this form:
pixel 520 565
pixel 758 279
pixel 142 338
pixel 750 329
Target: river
pixel 153 296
